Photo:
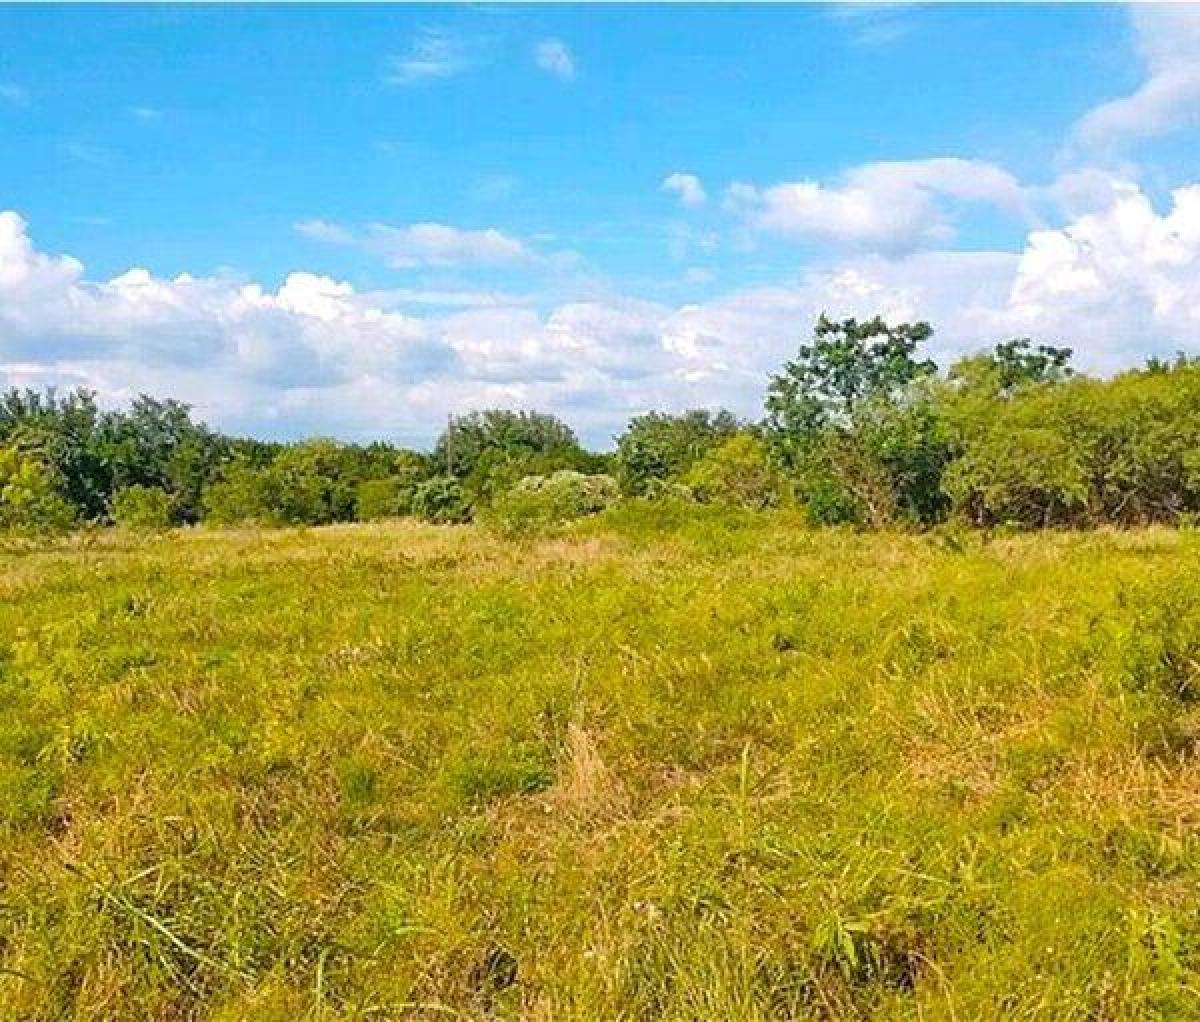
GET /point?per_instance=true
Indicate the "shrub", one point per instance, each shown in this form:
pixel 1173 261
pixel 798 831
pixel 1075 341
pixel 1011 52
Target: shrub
pixel 1030 477
pixel 659 446
pixel 661 491
pixel 29 499
pixel 739 473
pixel 241 496
pixel 541 502
pixel 141 508
pixel 441 500
pixel 377 499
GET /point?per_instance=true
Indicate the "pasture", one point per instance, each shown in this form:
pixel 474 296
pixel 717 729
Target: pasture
pixel 670 764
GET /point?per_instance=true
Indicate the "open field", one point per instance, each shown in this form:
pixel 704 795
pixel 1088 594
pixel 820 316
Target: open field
pixel 719 767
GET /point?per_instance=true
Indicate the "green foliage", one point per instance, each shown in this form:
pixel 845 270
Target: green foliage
pixel 1031 476
pixel 539 503
pixel 377 499
pixel 1012 366
pixel 860 429
pixel 441 501
pixel 663 447
pixel 1080 452
pixel 739 472
pixel 29 499
pixel 500 433
pixel 847 363
pixel 854 422
pixel 312 483
pixel 141 508
pixel 239 497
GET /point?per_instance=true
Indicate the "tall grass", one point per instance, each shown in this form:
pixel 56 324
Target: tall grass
pixel 672 765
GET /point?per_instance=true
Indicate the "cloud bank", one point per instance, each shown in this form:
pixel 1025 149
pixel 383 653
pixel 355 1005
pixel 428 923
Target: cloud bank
pixel 313 355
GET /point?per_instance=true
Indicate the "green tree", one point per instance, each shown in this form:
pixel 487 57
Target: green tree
pixel 661 446
pixel 1010 367
pixel 853 420
pixel 441 500
pixel 740 473
pixel 240 496
pixel 141 508
pixel 846 364
pixel 30 501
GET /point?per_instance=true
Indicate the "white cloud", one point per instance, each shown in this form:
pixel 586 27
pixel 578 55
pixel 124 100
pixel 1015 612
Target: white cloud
pixel 145 114
pixel 893 207
pixel 687 187
pixel 434 55
pixel 554 57
pixel 1117 282
pixel 428 244
pixel 1168 40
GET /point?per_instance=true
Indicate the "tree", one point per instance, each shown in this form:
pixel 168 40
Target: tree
pixel 441 500
pixel 853 420
pixel 1011 366
pixel 141 508
pixel 846 364
pixel 63 434
pixel 740 473
pixel 468 438
pixel 239 496
pixel 29 499
pixel 662 446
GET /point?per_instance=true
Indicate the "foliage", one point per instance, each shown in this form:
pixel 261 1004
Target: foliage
pixel 860 429
pixel 511 434
pixel 1080 452
pixel 738 472
pixel 853 420
pixel 240 496
pixel 441 501
pixel 538 503
pixel 1012 366
pixel 661 446
pixel 29 499
pixel 140 507
pixel 847 364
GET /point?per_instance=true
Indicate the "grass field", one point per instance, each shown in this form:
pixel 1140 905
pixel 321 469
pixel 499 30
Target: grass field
pixel 705 768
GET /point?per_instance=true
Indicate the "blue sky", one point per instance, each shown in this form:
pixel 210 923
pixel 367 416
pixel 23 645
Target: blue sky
pixel 353 220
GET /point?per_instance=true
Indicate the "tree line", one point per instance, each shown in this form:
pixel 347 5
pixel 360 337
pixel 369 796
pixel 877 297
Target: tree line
pixel 859 428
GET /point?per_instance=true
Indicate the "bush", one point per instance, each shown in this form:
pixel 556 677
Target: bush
pixel 1030 477
pixel 378 499
pixel 441 500
pixel 537 503
pixel 661 491
pixel 240 497
pixel 659 446
pixel 29 500
pixel 738 473
pixel 141 508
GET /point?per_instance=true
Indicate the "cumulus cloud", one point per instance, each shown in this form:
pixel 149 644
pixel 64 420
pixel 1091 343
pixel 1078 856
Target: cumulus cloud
pixel 428 244
pixel 894 206
pixel 554 57
pixel 687 187
pixel 1116 282
pixel 1168 41
pixel 434 55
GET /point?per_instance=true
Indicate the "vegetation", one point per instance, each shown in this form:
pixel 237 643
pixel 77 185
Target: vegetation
pixel 860 428
pixel 678 762
pixel 539 503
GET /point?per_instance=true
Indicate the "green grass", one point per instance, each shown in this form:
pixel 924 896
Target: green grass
pixel 684 766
